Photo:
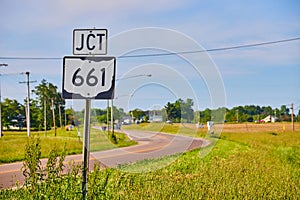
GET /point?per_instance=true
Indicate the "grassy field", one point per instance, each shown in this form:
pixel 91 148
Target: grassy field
pixel 186 128
pixel 12 144
pixel 240 166
pixel 243 164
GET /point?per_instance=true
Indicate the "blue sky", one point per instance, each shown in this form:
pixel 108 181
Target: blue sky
pixel 264 75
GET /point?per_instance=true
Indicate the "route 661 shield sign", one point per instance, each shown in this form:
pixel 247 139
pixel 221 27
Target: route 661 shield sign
pixel 88 77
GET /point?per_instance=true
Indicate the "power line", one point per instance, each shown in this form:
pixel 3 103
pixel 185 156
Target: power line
pixel 213 49
pixel 29 58
pixel 169 53
pixel 10 74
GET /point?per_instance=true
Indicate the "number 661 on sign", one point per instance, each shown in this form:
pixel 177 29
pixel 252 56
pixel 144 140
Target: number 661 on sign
pixel 88 77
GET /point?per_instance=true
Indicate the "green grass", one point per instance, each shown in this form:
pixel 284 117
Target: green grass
pixel 12 144
pixel 99 141
pixel 182 129
pixel 260 165
pixel 240 166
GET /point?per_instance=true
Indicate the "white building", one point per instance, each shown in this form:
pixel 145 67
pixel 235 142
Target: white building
pixel 270 118
pixel 155 116
pixel 127 120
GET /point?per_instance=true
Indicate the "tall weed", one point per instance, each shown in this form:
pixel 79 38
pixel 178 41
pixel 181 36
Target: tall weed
pixel 32 165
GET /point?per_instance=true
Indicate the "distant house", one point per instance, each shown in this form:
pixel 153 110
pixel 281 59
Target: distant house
pixel 155 116
pixel 270 118
pixel 127 120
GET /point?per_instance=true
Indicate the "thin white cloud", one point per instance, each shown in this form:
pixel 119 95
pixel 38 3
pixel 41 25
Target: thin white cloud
pixel 36 14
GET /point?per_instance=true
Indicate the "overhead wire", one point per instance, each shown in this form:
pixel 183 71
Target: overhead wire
pixel 213 49
pixel 166 54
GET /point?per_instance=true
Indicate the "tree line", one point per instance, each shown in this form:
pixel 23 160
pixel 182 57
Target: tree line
pixel 48 110
pixel 47 104
pixel 182 111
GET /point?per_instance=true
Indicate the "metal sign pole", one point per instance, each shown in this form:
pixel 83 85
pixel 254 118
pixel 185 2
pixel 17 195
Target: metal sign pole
pixel 86 147
pixel 112 119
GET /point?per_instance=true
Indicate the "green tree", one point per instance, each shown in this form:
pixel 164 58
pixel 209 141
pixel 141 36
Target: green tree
pixel 46 95
pixel 284 113
pixel 187 111
pixel 70 116
pixel 173 113
pixel 42 95
pixel 218 115
pixel 180 111
pixel 267 110
pixel 101 115
pixel 35 115
pixel 137 114
pixel 13 113
pixel 205 115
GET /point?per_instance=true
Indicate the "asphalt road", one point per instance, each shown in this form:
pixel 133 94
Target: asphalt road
pixel 150 145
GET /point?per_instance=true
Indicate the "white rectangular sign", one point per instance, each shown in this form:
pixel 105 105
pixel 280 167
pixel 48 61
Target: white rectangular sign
pixel 90 41
pixel 88 77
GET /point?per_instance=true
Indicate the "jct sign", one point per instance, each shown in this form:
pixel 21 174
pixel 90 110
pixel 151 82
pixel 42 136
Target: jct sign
pixel 89 41
pixel 88 77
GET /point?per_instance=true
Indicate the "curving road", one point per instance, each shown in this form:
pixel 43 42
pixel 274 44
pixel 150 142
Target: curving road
pixel 150 145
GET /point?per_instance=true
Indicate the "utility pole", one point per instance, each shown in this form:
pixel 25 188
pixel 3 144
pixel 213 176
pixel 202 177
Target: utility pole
pixel 60 116
pixel 4 65
pixel 112 113
pixel 45 112
pixel 53 115
pixel 45 117
pixel 28 105
pixel 292 108
pixel 28 102
pixel 65 117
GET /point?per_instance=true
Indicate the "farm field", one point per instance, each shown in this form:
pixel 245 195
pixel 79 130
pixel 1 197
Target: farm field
pixel 191 130
pixel 262 162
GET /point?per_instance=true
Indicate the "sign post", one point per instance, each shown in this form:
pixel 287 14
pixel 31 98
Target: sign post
pixel 86 147
pixel 88 77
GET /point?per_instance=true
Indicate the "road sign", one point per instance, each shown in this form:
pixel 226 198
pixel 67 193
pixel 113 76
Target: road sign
pixel 88 77
pixel 89 41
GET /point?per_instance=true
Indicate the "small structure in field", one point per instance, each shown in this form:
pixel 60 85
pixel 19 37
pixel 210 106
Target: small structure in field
pixel 270 118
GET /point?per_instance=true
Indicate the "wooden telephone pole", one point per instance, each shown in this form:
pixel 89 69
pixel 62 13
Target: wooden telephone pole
pixel 28 102
pixel 292 108
pixel 53 115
